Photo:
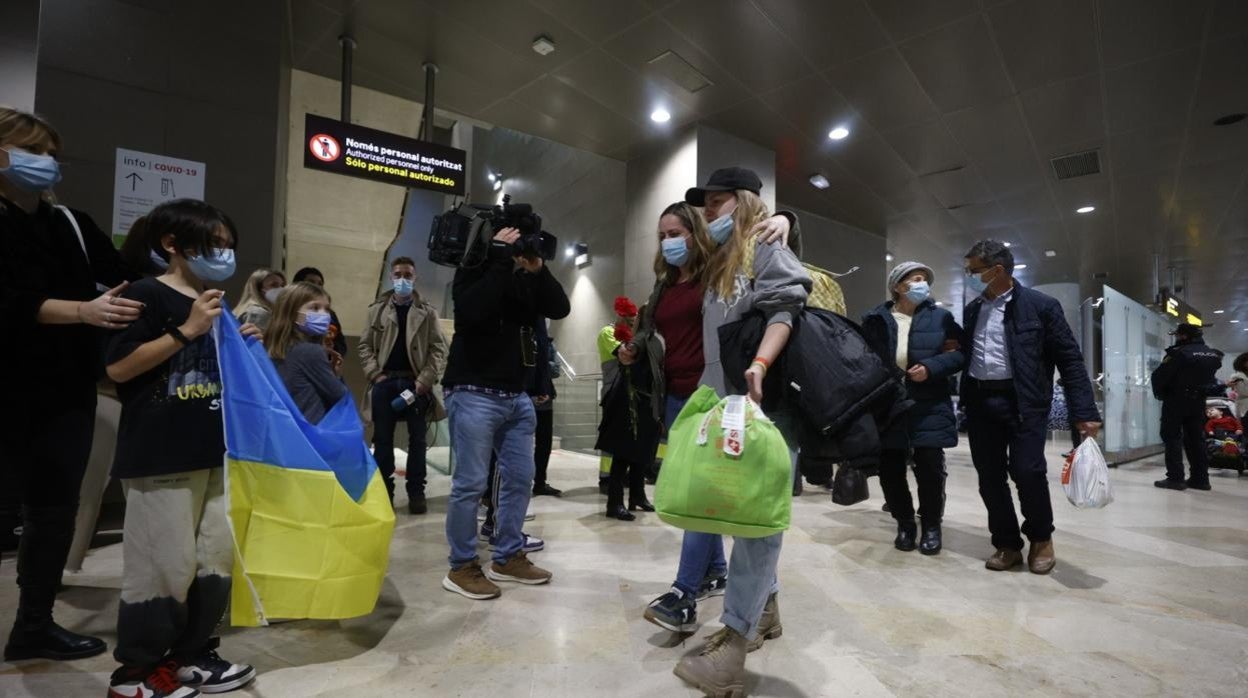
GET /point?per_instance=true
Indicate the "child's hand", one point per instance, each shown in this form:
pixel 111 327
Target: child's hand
pixel 205 309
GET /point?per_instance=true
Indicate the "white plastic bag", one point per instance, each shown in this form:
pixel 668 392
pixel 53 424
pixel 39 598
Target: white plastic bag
pixel 1086 477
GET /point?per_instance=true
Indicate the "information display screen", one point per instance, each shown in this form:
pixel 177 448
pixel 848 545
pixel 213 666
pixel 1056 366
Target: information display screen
pixel 333 146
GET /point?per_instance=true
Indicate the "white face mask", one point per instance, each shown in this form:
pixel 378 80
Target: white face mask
pixel 272 294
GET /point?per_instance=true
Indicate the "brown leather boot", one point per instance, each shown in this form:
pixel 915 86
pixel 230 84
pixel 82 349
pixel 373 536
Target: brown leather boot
pixel 1004 559
pixel 1040 558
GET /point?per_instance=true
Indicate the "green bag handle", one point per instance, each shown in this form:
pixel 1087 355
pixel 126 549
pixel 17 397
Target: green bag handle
pixel 752 411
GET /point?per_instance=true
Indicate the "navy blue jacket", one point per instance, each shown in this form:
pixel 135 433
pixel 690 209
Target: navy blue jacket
pixel 1039 340
pixel 930 422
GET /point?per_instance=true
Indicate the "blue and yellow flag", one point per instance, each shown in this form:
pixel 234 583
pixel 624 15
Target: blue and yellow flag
pixel 308 509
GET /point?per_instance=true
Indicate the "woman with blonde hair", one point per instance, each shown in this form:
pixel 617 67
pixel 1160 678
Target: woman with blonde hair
pixel 745 275
pixel 294 341
pixel 260 295
pixel 54 261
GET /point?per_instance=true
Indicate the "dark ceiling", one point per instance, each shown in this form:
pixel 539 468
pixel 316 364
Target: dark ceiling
pixel 955 108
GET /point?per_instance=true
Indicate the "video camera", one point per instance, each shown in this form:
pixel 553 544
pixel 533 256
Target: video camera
pixel 461 237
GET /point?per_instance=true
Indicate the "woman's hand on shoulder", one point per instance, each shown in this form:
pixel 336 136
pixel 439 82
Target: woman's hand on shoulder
pixel 110 310
pixel 773 229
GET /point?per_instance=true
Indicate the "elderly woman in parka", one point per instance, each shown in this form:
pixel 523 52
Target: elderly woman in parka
pixel 924 342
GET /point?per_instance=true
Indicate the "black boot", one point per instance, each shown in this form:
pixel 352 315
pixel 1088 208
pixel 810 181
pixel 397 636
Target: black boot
pixel 619 512
pixel 41 556
pixel 906 532
pixel 930 544
pixel 639 503
pixel 797 486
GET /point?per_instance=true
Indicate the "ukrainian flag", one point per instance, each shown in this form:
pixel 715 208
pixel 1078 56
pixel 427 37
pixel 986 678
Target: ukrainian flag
pixel 308 509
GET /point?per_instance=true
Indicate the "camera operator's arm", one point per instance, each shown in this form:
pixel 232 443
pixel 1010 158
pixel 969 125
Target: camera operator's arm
pixel 549 298
pixel 481 294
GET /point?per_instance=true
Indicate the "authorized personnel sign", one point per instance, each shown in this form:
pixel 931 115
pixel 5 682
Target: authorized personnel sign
pixel 143 181
pixel 334 146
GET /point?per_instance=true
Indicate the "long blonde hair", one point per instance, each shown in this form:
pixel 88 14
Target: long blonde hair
pixel 700 250
pixel 728 260
pixel 283 331
pixel 253 294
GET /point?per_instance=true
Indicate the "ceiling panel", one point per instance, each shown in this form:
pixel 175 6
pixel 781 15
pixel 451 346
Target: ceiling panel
pixel 613 84
pixel 873 161
pixel 1132 30
pixel 911 196
pixel 927 148
pixel 1043 42
pixel 813 106
pixel 882 89
pixel 510 25
pixel 904 18
pixel 595 19
pixel 828 32
pixel 570 107
pixel 1144 151
pixel 722 28
pixel 957 187
pixel 1064 114
pixel 957 65
pixel 996 138
pixel 754 121
pixel 1030 204
pixel 640 44
pixel 1156 92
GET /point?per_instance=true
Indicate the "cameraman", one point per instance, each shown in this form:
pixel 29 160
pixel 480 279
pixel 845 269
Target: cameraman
pixel 497 307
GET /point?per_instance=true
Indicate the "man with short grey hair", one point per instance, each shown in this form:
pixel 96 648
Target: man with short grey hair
pixel 1016 337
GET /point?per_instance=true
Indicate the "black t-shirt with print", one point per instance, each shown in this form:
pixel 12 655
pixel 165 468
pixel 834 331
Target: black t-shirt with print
pixel 170 415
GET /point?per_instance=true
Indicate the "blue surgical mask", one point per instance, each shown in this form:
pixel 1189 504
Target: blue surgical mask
pixel 157 261
pixel 675 251
pixel 721 228
pixel 919 291
pixel 976 282
pixel 314 323
pixel 272 294
pixel 403 287
pixel 31 172
pixel 217 266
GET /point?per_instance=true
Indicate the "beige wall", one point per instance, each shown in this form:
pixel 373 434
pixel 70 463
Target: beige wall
pixel 342 225
pixel 655 179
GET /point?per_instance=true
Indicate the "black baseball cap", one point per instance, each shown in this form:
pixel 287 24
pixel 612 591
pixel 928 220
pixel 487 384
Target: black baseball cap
pixel 1189 330
pixel 726 179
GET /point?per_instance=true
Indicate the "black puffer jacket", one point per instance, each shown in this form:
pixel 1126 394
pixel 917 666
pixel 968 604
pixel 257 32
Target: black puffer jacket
pixel 828 374
pixel 930 422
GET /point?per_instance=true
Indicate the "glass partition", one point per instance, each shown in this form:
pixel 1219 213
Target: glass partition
pixel 1134 339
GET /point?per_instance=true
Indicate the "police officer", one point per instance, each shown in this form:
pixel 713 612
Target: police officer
pixel 1181 382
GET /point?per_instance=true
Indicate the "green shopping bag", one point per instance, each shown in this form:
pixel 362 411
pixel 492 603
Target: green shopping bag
pixel 703 488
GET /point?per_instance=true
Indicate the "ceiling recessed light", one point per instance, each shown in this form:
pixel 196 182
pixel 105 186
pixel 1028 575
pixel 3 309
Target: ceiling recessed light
pixel 1008 244
pixel 571 250
pixel 660 116
pixel 492 176
pixel 1050 253
pixel 818 181
pixel 1085 209
pixel 888 257
pixel 1229 119
pixel 1019 266
pixel 1234 322
pixel 1218 312
pixel 838 133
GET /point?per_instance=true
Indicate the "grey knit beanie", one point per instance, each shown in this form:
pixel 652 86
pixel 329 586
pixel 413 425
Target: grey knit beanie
pixel 900 272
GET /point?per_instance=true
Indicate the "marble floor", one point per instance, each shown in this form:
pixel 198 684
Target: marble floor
pixel 1149 598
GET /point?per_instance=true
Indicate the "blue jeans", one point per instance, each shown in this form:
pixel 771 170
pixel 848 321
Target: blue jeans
pixel 480 425
pixel 700 553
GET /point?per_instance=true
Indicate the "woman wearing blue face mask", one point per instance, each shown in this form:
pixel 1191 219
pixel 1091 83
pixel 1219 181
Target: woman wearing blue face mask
pixel 294 342
pixel 53 261
pixel 669 340
pixel 924 342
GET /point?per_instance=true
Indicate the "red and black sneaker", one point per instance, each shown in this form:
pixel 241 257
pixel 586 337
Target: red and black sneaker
pixel 161 682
